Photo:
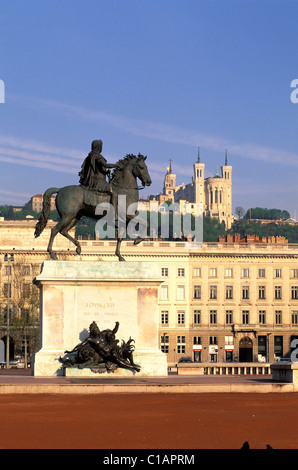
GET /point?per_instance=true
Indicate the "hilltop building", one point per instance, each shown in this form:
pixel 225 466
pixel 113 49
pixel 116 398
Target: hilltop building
pixel 35 203
pixel 214 193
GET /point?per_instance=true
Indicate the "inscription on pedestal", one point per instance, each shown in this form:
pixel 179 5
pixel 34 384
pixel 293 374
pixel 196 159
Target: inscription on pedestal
pixel 106 306
pixel 106 311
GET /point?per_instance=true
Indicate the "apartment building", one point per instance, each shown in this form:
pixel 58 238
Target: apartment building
pixel 218 302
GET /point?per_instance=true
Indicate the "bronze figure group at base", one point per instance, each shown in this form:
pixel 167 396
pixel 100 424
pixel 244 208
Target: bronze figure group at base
pixel 101 352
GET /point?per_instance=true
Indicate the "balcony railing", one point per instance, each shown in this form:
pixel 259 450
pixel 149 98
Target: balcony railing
pixel 224 368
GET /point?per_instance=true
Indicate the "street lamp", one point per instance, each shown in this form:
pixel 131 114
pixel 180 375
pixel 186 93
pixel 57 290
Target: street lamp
pixel 8 258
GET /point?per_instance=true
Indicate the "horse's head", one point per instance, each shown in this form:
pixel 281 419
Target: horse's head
pixel 141 171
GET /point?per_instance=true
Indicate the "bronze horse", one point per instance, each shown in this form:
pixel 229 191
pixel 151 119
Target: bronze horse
pixel 74 202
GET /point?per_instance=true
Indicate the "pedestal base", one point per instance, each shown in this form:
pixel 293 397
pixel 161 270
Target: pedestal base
pixel 152 364
pixel 76 293
pixel 46 363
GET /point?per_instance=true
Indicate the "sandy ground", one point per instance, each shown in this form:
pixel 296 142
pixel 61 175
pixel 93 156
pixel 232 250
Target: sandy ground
pixel 149 421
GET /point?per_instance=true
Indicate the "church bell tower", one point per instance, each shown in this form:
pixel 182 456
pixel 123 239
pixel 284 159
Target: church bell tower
pixel 198 181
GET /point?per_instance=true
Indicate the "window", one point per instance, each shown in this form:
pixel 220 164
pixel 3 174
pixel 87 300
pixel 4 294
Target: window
pixel 7 270
pixel 229 292
pixel 245 292
pixel 245 272
pixel 212 340
pixel 262 317
pixel 197 317
pixel 26 270
pixel 213 317
pixel 294 273
pixel 213 292
pixel 229 340
pixel 197 292
pixel 294 291
pixel 181 317
pixel 262 272
pixel 180 344
pixel 262 293
pixel 278 317
pixel 229 348
pixel 25 314
pixel 229 272
pixel 277 292
pixel 165 272
pixel 213 272
pixel 164 317
pixel 277 272
pixel 278 346
pixel 197 340
pixel 164 293
pixel 197 272
pixel 181 272
pixel 7 290
pixel 229 317
pixel 262 347
pixel 180 292
pixel 26 290
pixel 295 317
pixel 245 317
pixel 164 343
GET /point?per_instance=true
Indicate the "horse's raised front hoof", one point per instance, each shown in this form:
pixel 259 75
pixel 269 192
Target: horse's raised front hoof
pixel 78 250
pixel 138 240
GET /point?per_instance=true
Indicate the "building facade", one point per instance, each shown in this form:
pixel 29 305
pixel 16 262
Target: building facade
pixel 220 302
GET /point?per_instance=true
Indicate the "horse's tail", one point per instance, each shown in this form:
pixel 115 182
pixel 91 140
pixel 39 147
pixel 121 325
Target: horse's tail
pixel 46 210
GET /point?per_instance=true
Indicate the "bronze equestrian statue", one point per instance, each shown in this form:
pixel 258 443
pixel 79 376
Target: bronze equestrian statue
pixel 76 201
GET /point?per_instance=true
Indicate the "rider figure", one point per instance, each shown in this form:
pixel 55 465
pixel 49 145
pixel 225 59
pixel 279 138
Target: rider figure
pixel 94 170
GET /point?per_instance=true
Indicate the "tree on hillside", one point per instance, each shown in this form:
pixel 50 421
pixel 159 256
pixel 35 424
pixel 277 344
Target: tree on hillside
pixel 269 214
pixel 239 211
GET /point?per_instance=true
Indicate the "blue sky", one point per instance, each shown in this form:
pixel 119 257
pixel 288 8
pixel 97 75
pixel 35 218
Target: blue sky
pixel 159 77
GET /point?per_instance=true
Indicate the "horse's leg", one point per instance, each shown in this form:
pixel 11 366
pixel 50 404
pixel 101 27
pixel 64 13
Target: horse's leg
pixel 54 232
pixel 119 240
pixel 65 233
pixel 63 223
pixel 117 252
pixel 139 239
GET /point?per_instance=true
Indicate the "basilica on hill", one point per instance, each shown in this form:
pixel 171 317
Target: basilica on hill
pixel 214 193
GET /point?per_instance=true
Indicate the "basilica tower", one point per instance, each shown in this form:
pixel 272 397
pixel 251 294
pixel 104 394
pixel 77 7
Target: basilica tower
pixel 169 183
pixel 198 181
pixel 226 171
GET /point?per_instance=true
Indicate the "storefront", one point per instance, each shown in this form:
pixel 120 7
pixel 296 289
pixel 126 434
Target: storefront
pixel 213 353
pixel 197 353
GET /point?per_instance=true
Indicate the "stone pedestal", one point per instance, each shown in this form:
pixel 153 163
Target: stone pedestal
pixel 76 293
